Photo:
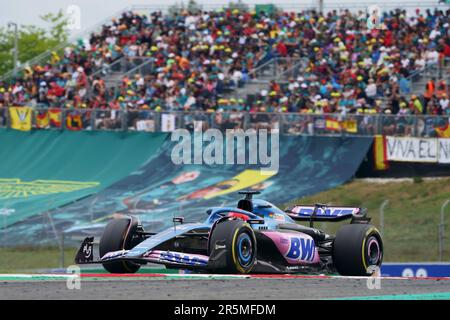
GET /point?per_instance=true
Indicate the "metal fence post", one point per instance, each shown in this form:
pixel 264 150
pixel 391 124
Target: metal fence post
pixel 280 123
pixel 382 207
pixel 415 128
pixel 181 119
pixel 93 118
pixel 63 119
pixel 442 229
pixel 379 125
pixel 5 212
pixel 157 118
pixel 246 121
pixel 34 118
pixel 446 203
pixel 124 119
pixel 8 119
pixel 4 229
pixel 62 251
pixel 211 121
pixel 440 244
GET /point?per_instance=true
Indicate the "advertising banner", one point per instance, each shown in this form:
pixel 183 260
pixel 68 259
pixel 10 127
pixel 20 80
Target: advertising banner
pixel 20 118
pixel 444 150
pixel 425 269
pixel 153 187
pixel 167 122
pixel 408 149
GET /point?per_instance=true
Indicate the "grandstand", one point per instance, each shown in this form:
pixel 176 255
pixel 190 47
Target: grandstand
pixel 144 62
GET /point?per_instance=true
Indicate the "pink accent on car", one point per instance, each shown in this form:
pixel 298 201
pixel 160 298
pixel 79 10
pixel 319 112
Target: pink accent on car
pixel 296 248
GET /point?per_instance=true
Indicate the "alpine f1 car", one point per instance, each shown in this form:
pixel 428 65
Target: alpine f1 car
pixel 254 237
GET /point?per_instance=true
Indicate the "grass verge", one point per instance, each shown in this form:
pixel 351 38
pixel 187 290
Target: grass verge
pixel 24 259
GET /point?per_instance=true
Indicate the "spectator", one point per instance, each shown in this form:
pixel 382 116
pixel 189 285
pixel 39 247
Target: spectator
pixel 195 59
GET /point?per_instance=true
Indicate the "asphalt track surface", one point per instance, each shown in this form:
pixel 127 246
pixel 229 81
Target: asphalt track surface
pixel 148 286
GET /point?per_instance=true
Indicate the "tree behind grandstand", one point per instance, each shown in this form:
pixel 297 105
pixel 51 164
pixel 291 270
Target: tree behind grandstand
pixel 33 40
pixel 194 7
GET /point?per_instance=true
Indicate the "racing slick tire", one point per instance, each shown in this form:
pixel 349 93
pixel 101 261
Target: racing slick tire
pixel 118 235
pixel 232 247
pixel 357 250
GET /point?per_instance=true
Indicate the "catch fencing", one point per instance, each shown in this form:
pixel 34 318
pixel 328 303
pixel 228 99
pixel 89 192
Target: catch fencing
pixel 288 123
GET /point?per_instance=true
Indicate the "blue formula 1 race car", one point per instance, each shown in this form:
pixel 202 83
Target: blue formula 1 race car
pixel 254 237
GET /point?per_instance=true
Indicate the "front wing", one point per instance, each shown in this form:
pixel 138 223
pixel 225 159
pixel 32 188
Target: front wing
pixel 174 259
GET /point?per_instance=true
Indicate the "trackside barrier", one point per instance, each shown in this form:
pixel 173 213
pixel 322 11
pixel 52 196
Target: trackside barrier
pixel 415 269
pixel 351 125
pixel 441 228
pixel 382 207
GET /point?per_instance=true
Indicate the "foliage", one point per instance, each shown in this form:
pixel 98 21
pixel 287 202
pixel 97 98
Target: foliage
pixel 240 5
pixel 178 8
pixel 32 40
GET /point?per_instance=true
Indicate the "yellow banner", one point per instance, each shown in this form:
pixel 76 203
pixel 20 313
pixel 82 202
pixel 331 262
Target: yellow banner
pixel 42 120
pixel 55 117
pixel 379 153
pixel 20 118
pixel 443 132
pixel 350 126
pixel 332 124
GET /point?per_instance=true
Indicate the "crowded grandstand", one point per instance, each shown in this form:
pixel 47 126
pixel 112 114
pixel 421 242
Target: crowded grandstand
pixel 183 61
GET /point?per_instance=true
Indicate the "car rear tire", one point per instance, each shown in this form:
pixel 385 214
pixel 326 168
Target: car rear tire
pixel 232 247
pixel 118 235
pixel 357 250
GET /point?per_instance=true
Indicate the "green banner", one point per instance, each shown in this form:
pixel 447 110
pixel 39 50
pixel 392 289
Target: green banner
pixel 41 170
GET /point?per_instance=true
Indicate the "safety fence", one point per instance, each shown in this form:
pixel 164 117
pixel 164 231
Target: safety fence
pixel 165 121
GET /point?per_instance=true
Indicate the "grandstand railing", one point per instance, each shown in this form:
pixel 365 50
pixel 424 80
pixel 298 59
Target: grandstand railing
pixel 436 70
pixel 124 64
pixel 279 69
pixel 286 123
pixel 123 67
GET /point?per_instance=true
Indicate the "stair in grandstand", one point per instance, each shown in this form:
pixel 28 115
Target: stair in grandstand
pixel 123 67
pixel 280 70
pixel 283 69
pixel 419 79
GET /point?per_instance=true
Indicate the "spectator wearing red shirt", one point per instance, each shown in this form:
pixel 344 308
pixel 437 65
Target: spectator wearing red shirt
pixel 282 49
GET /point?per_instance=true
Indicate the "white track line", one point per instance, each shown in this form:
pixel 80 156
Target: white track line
pixel 37 275
pixel 237 276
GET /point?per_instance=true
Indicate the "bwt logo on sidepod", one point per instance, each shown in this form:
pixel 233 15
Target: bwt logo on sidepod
pixel 301 249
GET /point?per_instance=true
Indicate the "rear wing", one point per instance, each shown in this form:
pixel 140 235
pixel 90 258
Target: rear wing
pixel 321 212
